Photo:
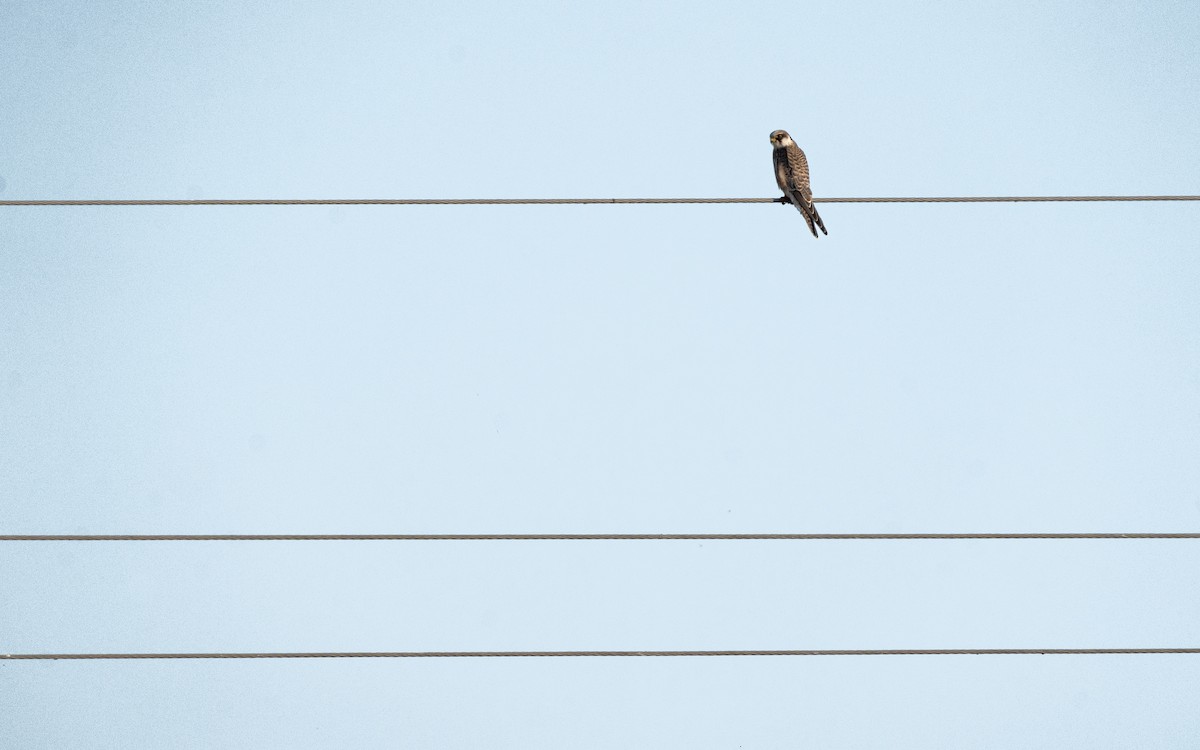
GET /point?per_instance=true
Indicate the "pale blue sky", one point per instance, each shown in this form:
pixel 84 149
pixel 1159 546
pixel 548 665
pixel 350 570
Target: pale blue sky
pixel 599 369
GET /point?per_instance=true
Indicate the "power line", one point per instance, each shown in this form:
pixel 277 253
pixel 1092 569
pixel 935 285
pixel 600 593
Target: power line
pixel 572 201
pixel 1018 199
pixel 563 537
pixel 548 654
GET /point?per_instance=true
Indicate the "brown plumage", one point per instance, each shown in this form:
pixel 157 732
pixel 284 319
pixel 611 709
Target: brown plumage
pixel 791 174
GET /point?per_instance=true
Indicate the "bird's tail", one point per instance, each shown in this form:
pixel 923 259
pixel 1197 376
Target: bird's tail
pixel 805 207
pixel 816 217
pixel 808 219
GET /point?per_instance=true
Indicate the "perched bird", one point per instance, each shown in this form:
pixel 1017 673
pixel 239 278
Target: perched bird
pixel 791 173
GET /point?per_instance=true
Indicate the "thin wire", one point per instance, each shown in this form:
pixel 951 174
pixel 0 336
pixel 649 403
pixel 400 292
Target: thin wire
pixel 542 654
pixel 571 201
pixel 1017 199
pixel 556 537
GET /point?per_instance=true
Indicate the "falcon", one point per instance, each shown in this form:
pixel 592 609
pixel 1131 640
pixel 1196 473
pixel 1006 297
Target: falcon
pixel 791 173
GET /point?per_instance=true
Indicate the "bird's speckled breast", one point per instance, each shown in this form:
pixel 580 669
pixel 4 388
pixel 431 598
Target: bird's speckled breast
pixel 779 157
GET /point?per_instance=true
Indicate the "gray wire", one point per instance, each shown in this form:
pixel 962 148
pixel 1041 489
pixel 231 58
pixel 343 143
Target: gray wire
pixel 1019 199
pixel 540 654
pixel 570 201
pixel 560 537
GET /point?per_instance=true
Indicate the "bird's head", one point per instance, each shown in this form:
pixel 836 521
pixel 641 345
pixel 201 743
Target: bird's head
pixel 780 139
